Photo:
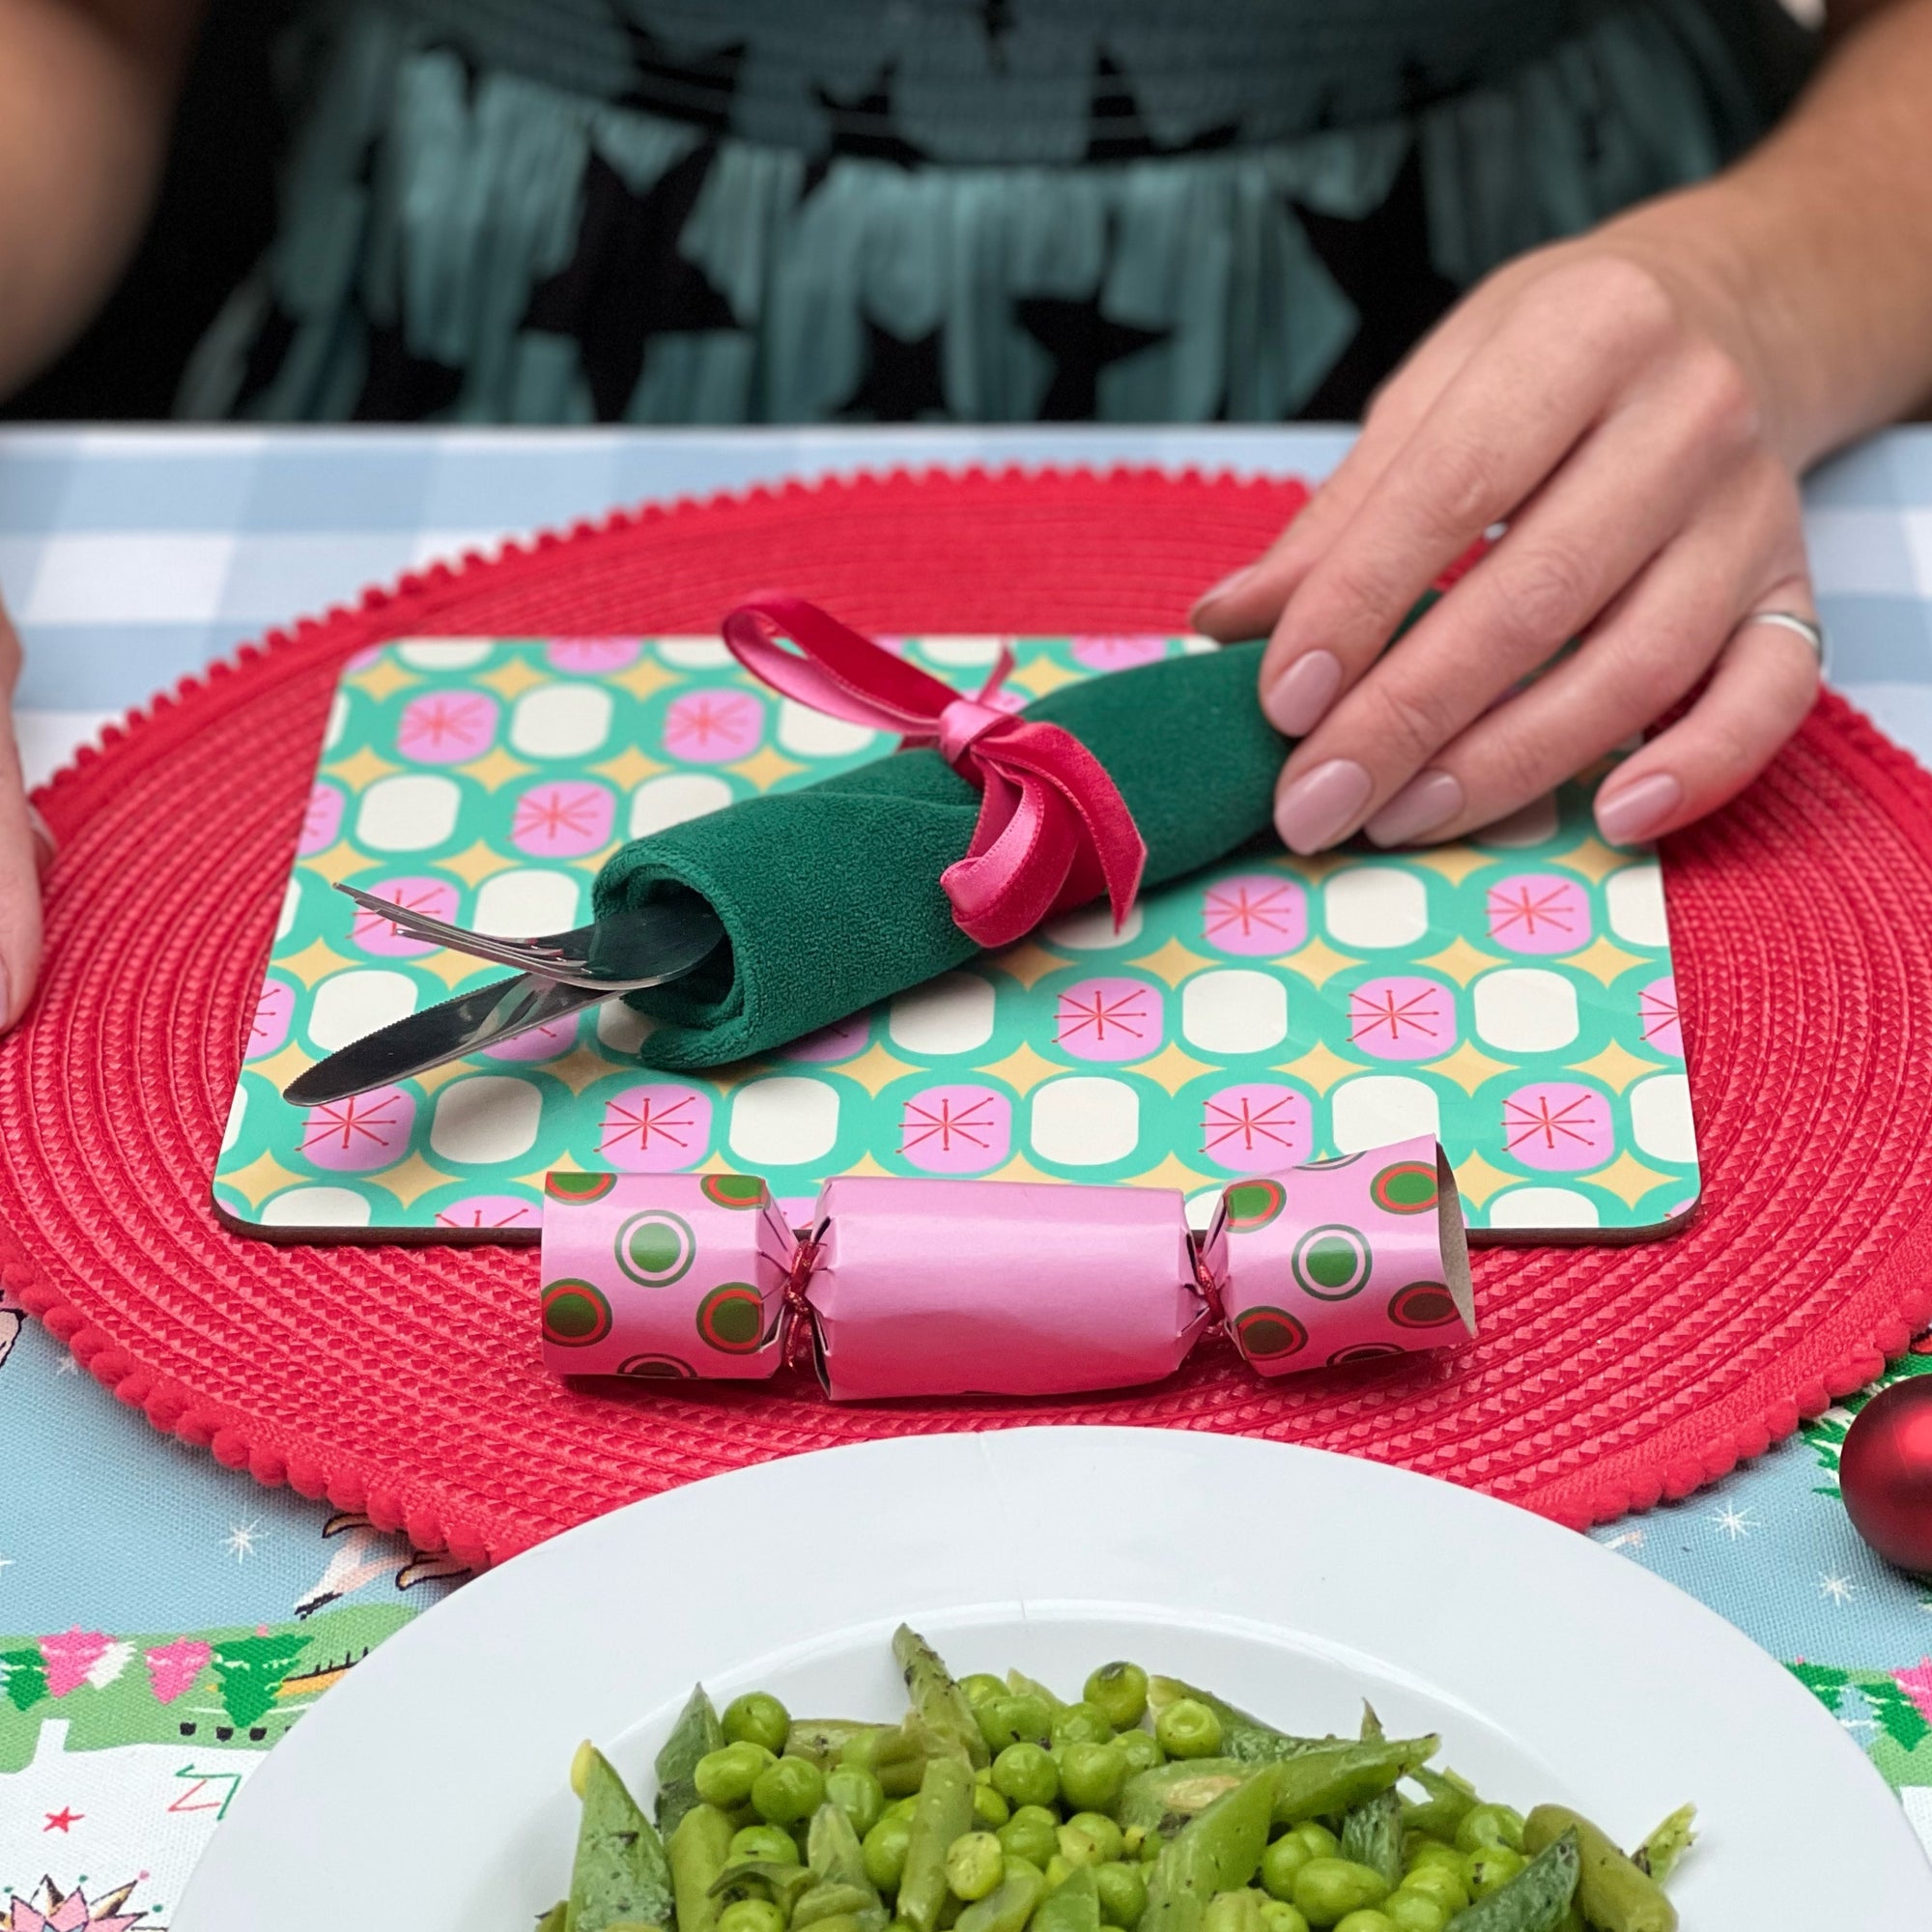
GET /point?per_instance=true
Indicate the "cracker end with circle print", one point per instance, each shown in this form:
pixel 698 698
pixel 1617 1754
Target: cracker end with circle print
pixel 1364 1352
pixel 656 1248
pixel 1423 1304
pixel 731 1318
pixel 657 1369
pixel 733 1190
pixel 1332 1262
pixel 1268 1334
pixel 578 1189
pixel 1408 1188
pixel 1253 1203
pixel 574 1314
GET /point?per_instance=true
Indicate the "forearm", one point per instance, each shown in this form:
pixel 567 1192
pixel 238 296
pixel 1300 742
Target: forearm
pixel 1823 238
pixel 86 88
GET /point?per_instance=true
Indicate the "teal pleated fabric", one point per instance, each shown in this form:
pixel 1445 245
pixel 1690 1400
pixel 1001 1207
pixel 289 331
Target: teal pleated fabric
pixel 769 211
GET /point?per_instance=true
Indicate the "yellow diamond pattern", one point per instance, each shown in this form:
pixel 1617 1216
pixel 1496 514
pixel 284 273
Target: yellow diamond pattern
pixel 875 1068
pixel 410 1179
pixel 315 962
pixel 281 1066
pixel 1042 674
pixel 337 862
pixel 1626 1177
pixel 515 675
pixel 1171 962
pixel 1171 1067
pixel 1616 1066
pixel 361 769
pixel 1029 962
pixel 1319 962
pixel 1461 961
pixel 475 864
pixel 1320 1067
pixel 630 768
pixel 1454 862
pixel 1597 860
pixel 262 1178
pixel 1023 1070
pixel 1603 960
pixel 765 767
pixel 646 678
pixel 1478 1181
pixel 382 679
pixel 495 768
pixel 1468 1066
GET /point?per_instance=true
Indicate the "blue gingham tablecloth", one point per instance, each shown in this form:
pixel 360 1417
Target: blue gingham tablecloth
pixel 132 557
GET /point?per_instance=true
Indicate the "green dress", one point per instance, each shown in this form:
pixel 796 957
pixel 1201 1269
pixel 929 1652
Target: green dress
pixel 794 211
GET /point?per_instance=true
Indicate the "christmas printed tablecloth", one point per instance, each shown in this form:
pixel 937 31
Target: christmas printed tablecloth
pixel 1513 995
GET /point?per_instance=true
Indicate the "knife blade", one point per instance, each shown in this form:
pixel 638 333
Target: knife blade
pixel 446 1031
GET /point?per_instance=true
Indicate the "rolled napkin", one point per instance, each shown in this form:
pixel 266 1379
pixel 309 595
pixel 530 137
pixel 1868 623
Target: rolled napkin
pixel 942 1288
pixel 835 896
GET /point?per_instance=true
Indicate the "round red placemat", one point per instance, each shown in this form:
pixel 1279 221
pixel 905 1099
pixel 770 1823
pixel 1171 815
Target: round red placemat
pixel 404 1380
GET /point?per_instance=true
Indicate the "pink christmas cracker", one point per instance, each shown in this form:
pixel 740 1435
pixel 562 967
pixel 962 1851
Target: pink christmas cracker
pixel 904 1287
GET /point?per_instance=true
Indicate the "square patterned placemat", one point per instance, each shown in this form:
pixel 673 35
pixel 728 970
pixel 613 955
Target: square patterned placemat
pixel 1513 994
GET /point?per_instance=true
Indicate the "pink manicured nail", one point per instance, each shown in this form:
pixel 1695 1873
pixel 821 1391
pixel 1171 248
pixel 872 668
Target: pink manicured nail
pixel 1321 805
pixel 1639 809
pixel 1298 700
pixel 1232 582
pixel 1428 800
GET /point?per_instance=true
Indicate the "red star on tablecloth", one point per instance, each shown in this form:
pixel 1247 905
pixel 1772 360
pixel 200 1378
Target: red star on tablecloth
pixel 63 1820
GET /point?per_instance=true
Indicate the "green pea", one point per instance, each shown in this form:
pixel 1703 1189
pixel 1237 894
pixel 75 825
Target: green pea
pixel 789 1791
pixel 1087 1839
pixel 1320 1841
pixel 1281 1861
pixel 974 1865
pixel 1187 1728
pixel 1031 1833
pixel 1278 1915
pixel 989 1809
pixel 1366 1920
pixel 1485 1825
pixel 832 1921
pixel 1118 1692
pixel 980 1686
pixel 1059 1869
pixel 758 1719
pixel 1491 1869
pixel 1327 1889
pixel 1092 1776
pixel 725 1777
pixel 1081 1724
pixel 752 1914
pixel 856 1793
pixel 1014 1718
pixel 769 1844
pixel 1122 1893
pixel 1420 1853
pixel 1140 1751
pixel 1024 1774
pixel 1444 1883
pixel 884 1850
pixel 1237 1911
pixel 1415 1911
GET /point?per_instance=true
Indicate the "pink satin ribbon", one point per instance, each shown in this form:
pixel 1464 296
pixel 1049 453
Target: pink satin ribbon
pixel 1053 829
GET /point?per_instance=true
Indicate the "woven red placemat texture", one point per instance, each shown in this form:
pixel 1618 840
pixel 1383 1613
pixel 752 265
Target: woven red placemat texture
pixel 405 1382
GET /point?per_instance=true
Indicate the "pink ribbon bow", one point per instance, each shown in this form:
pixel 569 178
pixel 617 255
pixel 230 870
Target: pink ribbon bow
pixel 1053 829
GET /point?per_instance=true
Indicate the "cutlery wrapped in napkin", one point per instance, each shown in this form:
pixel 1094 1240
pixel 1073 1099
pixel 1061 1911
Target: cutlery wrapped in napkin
pixel 904 1287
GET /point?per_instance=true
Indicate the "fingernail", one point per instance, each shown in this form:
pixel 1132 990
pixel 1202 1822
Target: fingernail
pixel 1639 809
pixel 1232 582
pixel 1428 800
pixel 1298 700
pixel 1320 804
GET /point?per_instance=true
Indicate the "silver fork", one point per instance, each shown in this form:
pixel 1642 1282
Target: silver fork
pixel 610 956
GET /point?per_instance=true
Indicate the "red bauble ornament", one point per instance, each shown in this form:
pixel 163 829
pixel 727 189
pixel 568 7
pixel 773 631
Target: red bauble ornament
pixel 1885 1473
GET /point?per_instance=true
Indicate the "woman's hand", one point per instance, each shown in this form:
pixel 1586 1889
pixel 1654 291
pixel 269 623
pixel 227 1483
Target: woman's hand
pixel 24 852
pixel 1607 400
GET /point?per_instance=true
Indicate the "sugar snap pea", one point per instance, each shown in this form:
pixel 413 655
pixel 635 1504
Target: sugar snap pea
pixel 1451 1799
pixel 785 1882
pixel 1218 1851
pixel 1535 1900
pixel 1614 1895
pixel 620 1873
pixel 1329 1778
pixel 1073 1906
pixel 555 1920
pixel 1242 1737
pixel 829 1900
pixel 696 1734
pixel 825 1738
pixel 1023 1685
pixel 1371 1827
pixel 1010 1904
pixel 699 1850
pixel 941 1707
pixel 1661 1853
pixel 944 1813
pixel 1178 1791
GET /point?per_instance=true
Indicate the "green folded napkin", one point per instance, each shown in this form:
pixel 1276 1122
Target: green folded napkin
pixel 831 894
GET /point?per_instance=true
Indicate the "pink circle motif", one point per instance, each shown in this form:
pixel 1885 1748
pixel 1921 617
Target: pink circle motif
pixel 956 1129
pixel 1559 1126
pixel 593 655
pixel 655 1129
pixel 1539 912
pixel 366 659
pixel 1110 1019
pixel 1658 1015
pixel 550 1041
pixel 273 1010
pixel 1119 653
pixel 321 821
pixel 563 820
pixel 361 1134
pixel 490 1211
pixel 374 934
pixel 714 725
pixel 447 728
pixel 839 1040
pixel 1257 914
pixel 1402 1018
pixel 1257 1127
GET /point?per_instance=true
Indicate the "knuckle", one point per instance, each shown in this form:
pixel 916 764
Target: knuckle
pixel 1724 407
pixel 1404 724
pixel 1633 298
pixel 1454 483
pixel 1550 593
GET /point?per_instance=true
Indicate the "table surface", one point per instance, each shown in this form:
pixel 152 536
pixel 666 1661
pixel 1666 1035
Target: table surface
pixel 131 557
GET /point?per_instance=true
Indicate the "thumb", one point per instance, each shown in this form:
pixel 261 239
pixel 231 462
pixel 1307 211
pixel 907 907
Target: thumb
pixel 19 884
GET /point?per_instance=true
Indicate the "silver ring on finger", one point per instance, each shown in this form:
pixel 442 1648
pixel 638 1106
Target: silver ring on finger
pixel 40 830
pixel 1808 628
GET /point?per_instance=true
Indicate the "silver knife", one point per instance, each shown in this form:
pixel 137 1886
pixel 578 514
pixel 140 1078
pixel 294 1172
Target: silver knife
pixel 446 1031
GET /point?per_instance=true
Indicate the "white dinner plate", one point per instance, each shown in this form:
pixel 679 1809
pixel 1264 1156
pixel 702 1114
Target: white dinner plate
pixel 433 1784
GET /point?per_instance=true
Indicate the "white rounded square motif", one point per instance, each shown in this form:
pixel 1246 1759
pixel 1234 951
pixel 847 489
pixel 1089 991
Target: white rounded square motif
pixel 812 734
pixel 409 812
pixel 316 1208
pixel 1635 900
pixel 1090 928
pixel 338 717
pixel 560 720
pixel 1375 905
pixel 347 1006
pixel 961 652
pixel 953 1013
pixel 1376 1108
pixel 443 653
pixel 1524 1009
pixel 1085 1120
pixel 622 1029
pixel 1542 1208
pixel 1660 1120
pixel 292 898
pixel 1235 1010
pixel 785 1121
pixel 237 1112
pixel 530 900
pixel 676 799
pixel 692 653
pixel 490 1117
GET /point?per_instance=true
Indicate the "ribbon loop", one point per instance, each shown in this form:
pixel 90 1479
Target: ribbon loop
pixel 1053 829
